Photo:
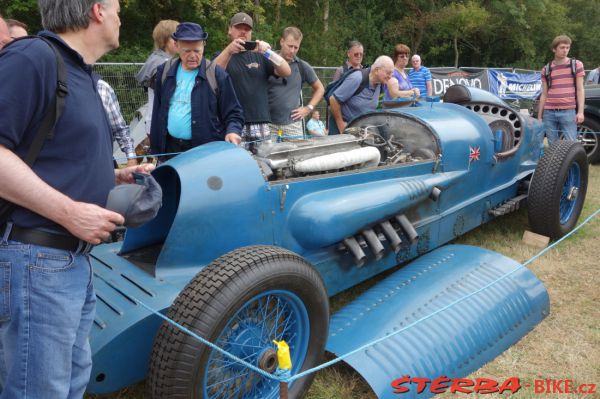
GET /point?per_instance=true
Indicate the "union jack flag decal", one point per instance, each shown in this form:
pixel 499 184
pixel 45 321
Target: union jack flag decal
pixel 474 154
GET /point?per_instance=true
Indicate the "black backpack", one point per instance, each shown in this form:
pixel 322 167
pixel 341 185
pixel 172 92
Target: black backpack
pixel 332 86
pixel 46 129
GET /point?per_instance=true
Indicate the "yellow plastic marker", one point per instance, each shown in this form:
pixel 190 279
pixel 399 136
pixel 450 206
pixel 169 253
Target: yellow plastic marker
pixel 283 355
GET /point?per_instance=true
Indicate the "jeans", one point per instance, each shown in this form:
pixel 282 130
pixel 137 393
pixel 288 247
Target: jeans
pixel 562 120
pixel 47 307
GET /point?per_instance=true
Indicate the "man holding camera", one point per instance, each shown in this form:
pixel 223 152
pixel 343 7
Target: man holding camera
pixel 186 101
pixel 250 64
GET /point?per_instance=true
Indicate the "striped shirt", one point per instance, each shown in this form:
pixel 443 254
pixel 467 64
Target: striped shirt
pixel 420 78
pixel 561 94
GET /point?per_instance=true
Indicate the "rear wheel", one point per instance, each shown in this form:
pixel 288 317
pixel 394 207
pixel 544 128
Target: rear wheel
pixel 241 302
pixel 558 189
pixel 588 136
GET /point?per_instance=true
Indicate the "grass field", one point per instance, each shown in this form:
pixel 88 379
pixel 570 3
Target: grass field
pixel 566 345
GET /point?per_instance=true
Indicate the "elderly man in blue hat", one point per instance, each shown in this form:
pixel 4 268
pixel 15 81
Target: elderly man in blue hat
pixel 195 102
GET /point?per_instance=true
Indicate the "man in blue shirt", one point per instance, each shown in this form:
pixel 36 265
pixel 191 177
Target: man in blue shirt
pixel 47 301
pixel 315 125
pixel 187 111
pixel 420 76
pixel 345 105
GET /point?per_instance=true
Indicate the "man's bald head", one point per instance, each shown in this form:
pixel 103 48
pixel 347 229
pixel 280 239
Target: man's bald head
pixel 4 34
pixel 16 28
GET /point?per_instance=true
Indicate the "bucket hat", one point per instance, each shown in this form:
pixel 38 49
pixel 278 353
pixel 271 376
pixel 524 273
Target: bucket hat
pixel 189 31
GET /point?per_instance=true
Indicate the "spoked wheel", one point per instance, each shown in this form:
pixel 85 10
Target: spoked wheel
pixel 242 302
pixel 558 189
pixel 588 133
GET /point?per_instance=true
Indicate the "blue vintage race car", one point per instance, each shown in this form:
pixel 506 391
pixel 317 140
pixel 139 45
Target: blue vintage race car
pixel 248 248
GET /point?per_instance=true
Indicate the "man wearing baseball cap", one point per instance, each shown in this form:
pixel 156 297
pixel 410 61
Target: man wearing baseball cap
pixel 249 70
pixel 186 100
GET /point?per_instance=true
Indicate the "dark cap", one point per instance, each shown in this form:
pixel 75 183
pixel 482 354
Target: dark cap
pixel 241 18
pixel 189 31
pixel 138 203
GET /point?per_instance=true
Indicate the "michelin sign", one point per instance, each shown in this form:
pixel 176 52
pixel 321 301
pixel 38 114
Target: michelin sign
pixel 515 86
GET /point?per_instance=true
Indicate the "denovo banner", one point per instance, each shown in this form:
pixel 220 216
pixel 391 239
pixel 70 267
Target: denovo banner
pixel 446 77
pixel 515 86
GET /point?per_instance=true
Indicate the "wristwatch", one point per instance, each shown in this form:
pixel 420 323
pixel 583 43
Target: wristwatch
pixel 310 107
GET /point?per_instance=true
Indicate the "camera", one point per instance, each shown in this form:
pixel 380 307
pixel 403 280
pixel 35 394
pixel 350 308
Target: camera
pixel 250 45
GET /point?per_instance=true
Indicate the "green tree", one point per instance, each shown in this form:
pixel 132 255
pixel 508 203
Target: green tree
pixel 461 22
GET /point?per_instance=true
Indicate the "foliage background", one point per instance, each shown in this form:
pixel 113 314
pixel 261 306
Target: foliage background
pixel 484 33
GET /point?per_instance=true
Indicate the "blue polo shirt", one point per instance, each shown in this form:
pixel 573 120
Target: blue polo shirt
pixel 352 106
pixel 77 161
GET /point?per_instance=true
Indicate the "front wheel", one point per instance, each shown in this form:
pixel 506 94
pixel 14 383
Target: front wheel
pixel 558 189
pixel 241 302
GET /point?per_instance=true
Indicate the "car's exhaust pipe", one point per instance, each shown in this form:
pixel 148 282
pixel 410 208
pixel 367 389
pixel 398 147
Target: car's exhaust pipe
pixel 373 243
pixel 408 228
pixel 391 235
pixel 354 247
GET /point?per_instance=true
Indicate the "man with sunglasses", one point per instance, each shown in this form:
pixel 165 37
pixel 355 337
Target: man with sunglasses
pixel 355 54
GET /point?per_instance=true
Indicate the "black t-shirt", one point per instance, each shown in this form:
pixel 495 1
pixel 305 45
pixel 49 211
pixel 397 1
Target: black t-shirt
pixel 249 72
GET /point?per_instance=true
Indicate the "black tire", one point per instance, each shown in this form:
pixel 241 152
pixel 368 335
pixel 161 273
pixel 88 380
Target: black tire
pixel 554 206
pixel 588 132
pixel 215 303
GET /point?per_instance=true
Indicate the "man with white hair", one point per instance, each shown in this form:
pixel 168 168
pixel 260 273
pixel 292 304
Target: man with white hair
pixel 420 76
pixel 346 104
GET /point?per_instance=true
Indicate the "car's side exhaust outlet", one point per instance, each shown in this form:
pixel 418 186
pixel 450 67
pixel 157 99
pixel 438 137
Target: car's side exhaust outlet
pixel 373 243
pixel 391 235
pixel 408 228
pixel 354 247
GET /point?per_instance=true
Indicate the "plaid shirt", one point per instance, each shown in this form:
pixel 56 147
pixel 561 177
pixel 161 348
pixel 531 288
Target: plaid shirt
pixel 118 126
